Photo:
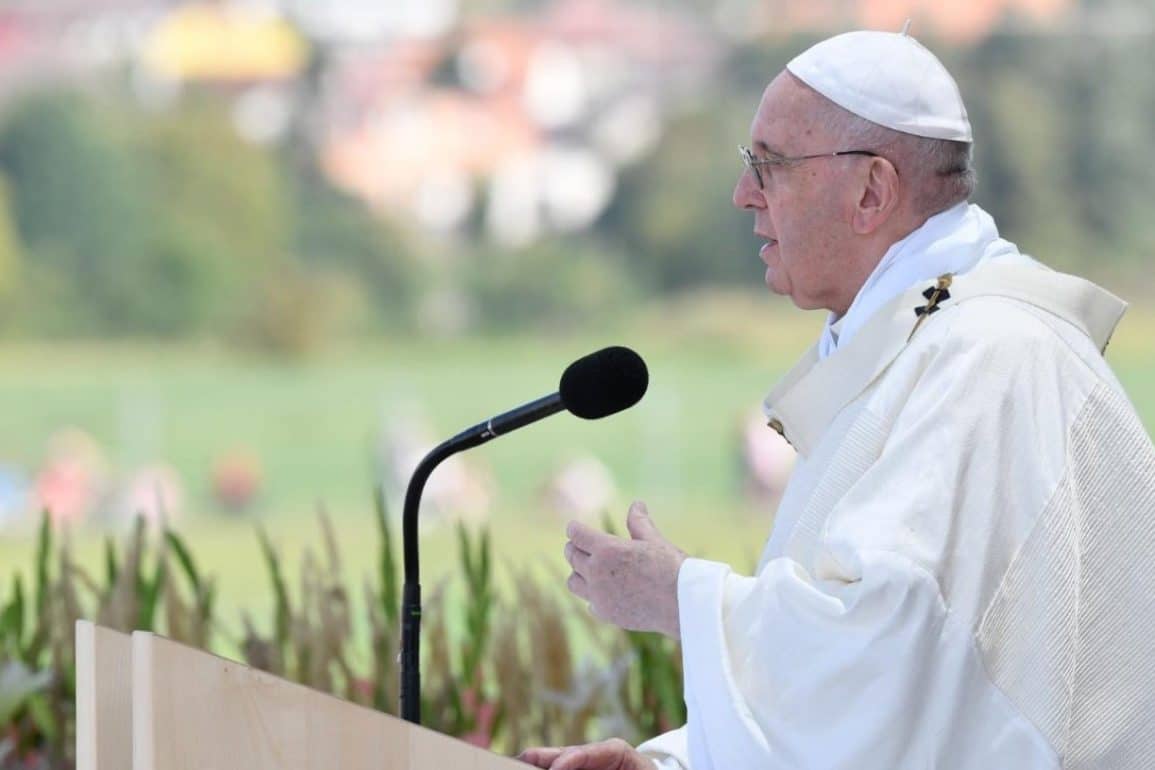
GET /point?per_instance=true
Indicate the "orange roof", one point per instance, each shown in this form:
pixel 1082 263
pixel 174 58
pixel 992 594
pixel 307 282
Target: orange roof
pixel 387 158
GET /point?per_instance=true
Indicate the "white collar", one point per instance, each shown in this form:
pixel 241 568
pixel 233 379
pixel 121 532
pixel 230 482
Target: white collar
pixel 804 403
pixel 952 241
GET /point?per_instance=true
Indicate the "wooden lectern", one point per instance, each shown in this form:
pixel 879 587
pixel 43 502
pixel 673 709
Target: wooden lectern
pixel 147 703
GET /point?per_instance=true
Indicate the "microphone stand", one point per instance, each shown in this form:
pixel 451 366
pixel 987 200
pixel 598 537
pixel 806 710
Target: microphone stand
pixel 410 657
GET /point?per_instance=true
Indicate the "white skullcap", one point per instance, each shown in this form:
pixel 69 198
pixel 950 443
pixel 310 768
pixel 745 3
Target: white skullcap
pixel 888 78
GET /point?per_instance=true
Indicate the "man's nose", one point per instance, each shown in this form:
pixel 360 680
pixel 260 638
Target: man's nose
pixel 746 193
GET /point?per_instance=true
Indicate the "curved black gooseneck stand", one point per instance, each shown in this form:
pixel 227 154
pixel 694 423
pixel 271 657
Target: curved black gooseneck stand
pixel 411 594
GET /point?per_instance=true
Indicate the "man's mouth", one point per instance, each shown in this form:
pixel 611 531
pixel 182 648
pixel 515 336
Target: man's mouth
pixel 766 247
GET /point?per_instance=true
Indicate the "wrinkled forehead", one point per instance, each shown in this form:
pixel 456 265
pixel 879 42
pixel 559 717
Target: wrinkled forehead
pixel 788 119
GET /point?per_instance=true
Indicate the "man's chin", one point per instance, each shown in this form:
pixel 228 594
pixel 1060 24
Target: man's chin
pixel 772 284
pixel 800 302
pixel 777 288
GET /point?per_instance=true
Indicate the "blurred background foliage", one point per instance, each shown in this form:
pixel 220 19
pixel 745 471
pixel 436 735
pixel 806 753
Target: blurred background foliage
pixel 124 222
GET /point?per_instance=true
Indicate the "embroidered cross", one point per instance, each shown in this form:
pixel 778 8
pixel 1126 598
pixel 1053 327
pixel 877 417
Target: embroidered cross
pixel 776 425
pixel 940 292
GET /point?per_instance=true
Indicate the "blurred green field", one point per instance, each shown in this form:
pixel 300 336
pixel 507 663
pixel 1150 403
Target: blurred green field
pixel 711 360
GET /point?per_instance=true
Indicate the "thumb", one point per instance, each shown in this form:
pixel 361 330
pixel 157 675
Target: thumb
pixel 639 523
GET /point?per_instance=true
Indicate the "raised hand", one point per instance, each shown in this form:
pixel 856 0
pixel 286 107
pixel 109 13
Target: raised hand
pixel 630 583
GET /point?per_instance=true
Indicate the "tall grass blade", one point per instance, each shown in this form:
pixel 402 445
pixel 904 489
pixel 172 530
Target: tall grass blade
pixel 111 568
pixel 280 592
pixel 387 565
pixel 12 621
pixel 184 559
pixel 43 554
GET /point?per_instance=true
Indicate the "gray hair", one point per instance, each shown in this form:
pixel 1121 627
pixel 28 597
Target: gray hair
pixel 940 171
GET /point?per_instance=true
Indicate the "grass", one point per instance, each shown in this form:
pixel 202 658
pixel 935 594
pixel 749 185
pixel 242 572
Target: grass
pixel 314 426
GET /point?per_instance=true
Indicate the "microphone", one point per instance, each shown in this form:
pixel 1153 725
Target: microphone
pixel 594 386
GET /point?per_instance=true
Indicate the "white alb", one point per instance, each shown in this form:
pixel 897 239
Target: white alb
pixel 959 576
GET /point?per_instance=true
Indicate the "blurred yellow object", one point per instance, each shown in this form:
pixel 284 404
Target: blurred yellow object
pixel 208 42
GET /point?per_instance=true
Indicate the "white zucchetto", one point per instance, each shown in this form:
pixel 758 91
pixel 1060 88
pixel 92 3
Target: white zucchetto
pixel 888 78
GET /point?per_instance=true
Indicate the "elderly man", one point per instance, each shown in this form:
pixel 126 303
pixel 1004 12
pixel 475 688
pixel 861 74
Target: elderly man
pixel 959 574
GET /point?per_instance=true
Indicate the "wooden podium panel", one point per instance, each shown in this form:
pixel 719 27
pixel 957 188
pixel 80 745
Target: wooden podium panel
pixel 103 698
pixel 194 710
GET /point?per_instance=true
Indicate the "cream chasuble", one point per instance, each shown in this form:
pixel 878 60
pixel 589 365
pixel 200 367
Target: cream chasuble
pixel 960 574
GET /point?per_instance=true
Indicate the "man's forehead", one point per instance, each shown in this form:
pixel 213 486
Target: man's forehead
pixel 785 111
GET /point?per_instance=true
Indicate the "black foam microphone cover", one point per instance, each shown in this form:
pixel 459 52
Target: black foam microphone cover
pixel 604 383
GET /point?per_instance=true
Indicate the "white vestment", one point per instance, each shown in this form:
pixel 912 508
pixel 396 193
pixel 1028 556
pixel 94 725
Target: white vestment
pixel 952 241
pixel 960 574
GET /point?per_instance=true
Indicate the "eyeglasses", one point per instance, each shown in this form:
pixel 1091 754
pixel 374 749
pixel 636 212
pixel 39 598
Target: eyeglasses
pixel 775 160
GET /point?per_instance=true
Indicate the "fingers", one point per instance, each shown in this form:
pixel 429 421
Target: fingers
pixel 577 759
pixel 593 756
pixel 586 538
pixel 577 558
pixel 540 757
pixel 572 758
pixel 578 586
pixel 639 523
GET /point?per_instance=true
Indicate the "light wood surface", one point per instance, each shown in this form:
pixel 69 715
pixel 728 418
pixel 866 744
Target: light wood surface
pixel 196 711
pixel 103 698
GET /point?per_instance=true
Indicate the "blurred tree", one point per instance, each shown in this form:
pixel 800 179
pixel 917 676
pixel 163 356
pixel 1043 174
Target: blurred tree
pixel 225 212
pixel 82 207
pixel 554 284
pixel 337 234
pixel 1062 133
pixel 673 212
pixel 173 225
pixel 137 224
pixel 291 314
pixel 1020 180
pixel 11 260
pixel 1106 113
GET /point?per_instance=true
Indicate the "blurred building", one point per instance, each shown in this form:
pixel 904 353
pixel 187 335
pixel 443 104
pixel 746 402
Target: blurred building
pixel 42 41
pixel 352 22
pixel 248 52
pixel 212 42
pixel 521 123
pixel 522 120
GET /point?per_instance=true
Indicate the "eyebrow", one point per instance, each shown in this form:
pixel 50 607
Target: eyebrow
pixel 760 145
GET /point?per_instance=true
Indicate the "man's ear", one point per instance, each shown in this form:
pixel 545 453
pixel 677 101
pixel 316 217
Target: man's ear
pixel 879 198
